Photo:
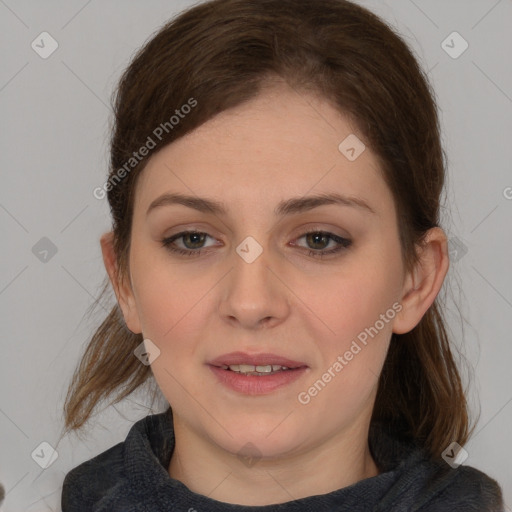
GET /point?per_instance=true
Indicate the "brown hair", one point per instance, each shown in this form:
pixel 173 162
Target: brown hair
pixel 222 53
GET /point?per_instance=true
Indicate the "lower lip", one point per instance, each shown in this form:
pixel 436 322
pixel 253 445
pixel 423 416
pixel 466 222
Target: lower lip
pixel 254 384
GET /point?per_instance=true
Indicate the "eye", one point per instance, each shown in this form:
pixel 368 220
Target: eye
pixel 187 243
pixel 322 243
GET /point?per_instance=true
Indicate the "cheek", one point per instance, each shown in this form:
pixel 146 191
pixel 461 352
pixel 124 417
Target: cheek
pixel 350 302
pixel 361 319
pixel 172 316
pixel 166 296
pixel 357 307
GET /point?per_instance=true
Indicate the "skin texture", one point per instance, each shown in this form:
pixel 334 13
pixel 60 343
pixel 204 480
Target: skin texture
pixel 279 146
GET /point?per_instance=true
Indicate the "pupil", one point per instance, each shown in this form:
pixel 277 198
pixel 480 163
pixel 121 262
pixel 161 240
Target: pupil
pixel 198 237
pixel 316 238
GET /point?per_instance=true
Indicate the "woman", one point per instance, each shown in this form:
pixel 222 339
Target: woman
pixel 276 254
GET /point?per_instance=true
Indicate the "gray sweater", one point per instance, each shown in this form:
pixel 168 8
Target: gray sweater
pixel 132 477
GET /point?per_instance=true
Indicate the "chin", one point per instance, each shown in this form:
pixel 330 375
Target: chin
pixel 268 439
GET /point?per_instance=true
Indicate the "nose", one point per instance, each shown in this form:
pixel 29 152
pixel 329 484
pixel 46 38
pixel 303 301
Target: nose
pixel 253 295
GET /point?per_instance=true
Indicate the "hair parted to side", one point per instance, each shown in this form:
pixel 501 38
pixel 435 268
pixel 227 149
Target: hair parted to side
pixel 223 53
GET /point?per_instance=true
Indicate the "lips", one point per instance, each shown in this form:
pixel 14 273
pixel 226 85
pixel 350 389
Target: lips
pixel 256 374
pixel 241 358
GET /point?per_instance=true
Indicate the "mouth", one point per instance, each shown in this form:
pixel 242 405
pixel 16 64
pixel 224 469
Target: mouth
pixel 256 374
pixel 259 370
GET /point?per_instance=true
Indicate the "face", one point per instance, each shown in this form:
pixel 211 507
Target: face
pixel 257 267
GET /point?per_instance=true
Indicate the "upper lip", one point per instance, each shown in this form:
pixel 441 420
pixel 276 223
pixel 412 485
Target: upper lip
pixel 255 360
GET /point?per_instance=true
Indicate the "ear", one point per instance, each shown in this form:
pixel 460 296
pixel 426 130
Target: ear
pixel 122 289
pixel 423 283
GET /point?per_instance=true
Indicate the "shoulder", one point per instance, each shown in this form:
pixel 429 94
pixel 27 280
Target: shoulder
pixel 429 484
pixel 94 479
pixel 105 482
pixel 463 489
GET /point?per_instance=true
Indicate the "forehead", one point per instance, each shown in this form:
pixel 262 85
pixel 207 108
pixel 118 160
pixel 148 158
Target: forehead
pixel 283 143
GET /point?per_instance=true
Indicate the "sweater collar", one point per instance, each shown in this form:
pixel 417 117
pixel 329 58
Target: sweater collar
pixel 150 443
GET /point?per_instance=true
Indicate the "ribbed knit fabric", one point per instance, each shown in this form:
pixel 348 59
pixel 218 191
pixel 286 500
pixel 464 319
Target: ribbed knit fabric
pixel 132 476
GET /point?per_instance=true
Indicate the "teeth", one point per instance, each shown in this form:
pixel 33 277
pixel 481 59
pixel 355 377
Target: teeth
pixel 249 368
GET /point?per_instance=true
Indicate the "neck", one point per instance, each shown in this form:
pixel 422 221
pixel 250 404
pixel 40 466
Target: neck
pixel 207 469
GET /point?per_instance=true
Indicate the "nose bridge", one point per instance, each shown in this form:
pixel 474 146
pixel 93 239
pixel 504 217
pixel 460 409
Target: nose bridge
pixel 253 293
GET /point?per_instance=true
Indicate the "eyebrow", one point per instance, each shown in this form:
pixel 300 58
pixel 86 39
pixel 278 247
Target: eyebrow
pixel 288 207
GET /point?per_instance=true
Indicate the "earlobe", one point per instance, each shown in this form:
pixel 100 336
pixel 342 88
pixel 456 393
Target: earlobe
pixel 424 282
pixel 122 289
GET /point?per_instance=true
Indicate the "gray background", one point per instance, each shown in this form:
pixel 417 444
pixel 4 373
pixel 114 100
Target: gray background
pixel 53 152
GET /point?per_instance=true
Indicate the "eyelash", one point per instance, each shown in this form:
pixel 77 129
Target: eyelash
pixel 343 244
